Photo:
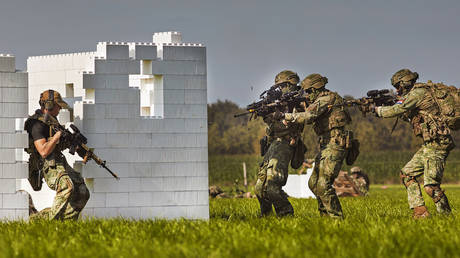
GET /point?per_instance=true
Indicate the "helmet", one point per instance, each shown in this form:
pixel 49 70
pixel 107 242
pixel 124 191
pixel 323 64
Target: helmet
pixel 314 80
pixel 287 76
pixel 403 75
pixel 49 98
pixel 355 170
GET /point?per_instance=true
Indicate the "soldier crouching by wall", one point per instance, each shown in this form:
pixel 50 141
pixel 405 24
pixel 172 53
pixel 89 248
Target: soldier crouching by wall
pixel 47 161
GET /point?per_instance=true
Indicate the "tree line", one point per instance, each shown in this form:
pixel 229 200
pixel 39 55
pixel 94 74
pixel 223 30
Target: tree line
pixel 229 135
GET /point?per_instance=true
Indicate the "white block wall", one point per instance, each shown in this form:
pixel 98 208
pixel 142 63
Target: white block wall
pixel 297 185
pixel 162 159
pixel 13 109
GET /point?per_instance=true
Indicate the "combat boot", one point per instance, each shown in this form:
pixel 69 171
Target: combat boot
pixel 420 212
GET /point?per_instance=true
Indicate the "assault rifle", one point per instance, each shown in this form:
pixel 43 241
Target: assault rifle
pixel 374 97
pixel 273 100
pixel 77 143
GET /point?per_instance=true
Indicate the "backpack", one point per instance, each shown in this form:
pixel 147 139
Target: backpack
pixel 447 99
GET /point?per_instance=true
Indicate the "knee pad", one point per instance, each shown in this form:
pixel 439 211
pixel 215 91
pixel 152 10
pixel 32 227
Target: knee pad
pixel 435 192
pixel 65 184
pixel 406 180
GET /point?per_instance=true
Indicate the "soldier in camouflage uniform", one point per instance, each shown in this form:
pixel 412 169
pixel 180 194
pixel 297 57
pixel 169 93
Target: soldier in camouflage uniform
pixel 417 105
pixel 329 120
pixel 45 150
pixel 282 139
pixel 360 180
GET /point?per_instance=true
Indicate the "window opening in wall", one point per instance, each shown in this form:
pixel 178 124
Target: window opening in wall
pixel 69 92
pixel 90 96
pixel 151 90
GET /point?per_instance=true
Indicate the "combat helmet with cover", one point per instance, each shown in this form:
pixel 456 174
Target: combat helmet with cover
pixel 314 80
pixel 403 75
pixel 287 76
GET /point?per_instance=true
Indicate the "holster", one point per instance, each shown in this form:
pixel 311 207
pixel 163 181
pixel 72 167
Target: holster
pixel 352 148
pixel 299 154
pixel 263 145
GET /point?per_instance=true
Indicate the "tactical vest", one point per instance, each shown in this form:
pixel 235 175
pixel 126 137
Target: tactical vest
pixel 336 117
pixel 427 119
pixel 35 160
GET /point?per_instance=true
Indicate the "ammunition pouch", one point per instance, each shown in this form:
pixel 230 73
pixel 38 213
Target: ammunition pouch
pixel 352 148
pixel 298 156
pixel 263 145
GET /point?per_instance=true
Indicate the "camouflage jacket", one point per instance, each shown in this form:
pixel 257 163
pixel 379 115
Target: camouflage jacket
pixel 419 108
pixel 324 113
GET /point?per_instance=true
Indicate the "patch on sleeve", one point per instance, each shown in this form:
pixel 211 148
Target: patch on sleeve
pixel 400 101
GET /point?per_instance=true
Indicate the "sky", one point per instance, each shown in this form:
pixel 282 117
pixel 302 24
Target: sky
pixel 357 44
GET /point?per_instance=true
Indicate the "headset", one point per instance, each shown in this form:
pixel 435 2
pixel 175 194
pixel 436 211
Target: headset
pixel 49 103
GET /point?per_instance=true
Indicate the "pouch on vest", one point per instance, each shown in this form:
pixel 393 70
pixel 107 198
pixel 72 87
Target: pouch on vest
pixel 352 147
pixel 299 154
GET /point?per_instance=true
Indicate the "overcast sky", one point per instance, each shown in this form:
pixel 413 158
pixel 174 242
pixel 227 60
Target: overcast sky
pixel 358 45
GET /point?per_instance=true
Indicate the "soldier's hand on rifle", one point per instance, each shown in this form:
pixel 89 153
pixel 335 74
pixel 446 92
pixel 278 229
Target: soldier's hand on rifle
pixel 278 115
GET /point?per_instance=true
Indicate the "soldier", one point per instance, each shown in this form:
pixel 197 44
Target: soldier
pixel 329 120
pixel 419 105
pixel 46 149
pixel 282 140
pixel 360 180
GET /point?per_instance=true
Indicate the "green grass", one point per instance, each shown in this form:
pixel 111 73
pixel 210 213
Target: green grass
pixel 378 226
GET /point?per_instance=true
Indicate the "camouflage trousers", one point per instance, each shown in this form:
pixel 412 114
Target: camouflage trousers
pixel 429 162
pixel 272 177
pixel 327 167
pixel 71 193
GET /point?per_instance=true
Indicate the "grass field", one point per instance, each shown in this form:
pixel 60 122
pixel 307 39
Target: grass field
pixel 377 226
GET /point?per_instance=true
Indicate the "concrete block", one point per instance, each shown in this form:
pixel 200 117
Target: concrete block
pixel 105 212
pixel 152 184
pixel 14 110
pixel 167 37
pixel 163 169
pixel 19 200
pixel 93 111
pixel 145 52
pixel 117 66
pixel 113 51
pixel 7 63
pixel 7 214
pixel 202 197
pixel 137 199
pixel 117 200
pixel 175 183
pixel 14 80
pixel 198 212
pixel 186 198
pixel 184 53
pixel 174 96
pixel 197 183
pixel 117 96
pixel 177 67
pixel 96 200
pixel 140 140
pixel 14 95
pixel 152 212
pixel 117 140
pixel 133 213
pixel 7 156
pixel 22 214
pixel 105 81
pixel 162 198
pixel 124 185
pixel 195 97
pixel 21 155
pixel 15 140
pixel 19 124
pixel 175 212
pixel 15 170
pixel 196 125
pixel 174 125
pixel 7 125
